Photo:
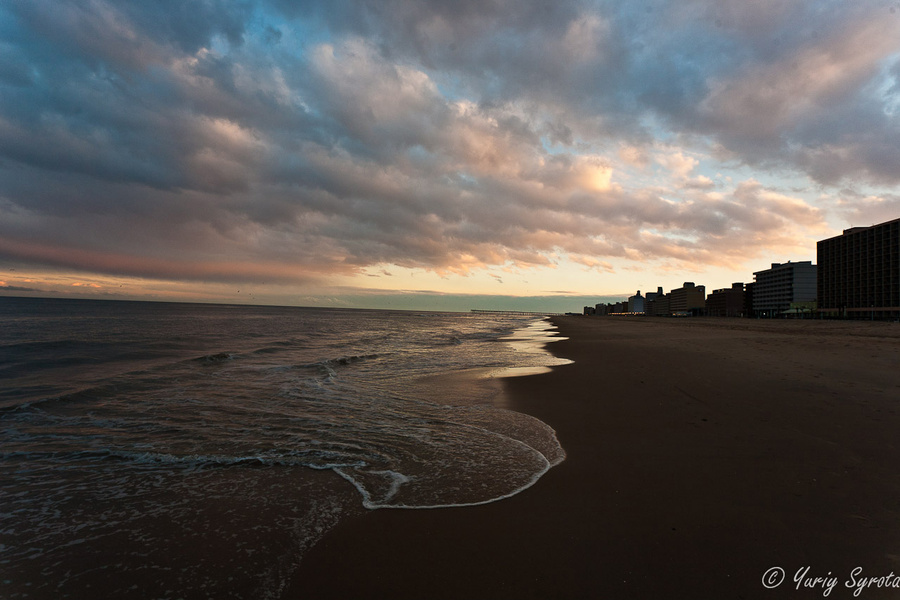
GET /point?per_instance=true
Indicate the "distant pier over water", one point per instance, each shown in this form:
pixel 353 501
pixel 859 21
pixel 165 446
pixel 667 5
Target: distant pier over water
pixel 517 312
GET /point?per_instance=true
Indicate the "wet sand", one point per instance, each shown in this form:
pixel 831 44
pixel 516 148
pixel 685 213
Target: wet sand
pixel 701 454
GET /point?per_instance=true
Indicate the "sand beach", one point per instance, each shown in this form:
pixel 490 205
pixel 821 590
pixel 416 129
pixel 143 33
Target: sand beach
pixel 707 458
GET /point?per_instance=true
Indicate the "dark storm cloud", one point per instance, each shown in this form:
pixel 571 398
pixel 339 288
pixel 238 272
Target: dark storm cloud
pixel 129 35
pixel 758 77
pixel 17 288
pixel 292 140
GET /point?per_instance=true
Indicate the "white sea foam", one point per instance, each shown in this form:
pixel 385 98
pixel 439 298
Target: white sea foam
pixel 530 343
pixel 485 478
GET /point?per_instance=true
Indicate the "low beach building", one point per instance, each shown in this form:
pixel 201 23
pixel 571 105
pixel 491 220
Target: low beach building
pixel 688 298
pixel 727 302
pixel 652 295
pixel 650 299
pixel 776 288
pixel 658 306
pixel 748 299
pixel 859 272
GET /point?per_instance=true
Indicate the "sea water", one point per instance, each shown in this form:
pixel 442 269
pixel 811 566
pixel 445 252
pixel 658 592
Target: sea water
pixel 183 450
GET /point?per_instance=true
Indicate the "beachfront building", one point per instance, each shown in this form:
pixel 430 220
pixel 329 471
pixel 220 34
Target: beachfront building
pixel 658 306
pixel 748 299
pixel 650 296
pixel 689 298
pixel 859 272
pixel 776 288
pixel 727 302
pixel 636 303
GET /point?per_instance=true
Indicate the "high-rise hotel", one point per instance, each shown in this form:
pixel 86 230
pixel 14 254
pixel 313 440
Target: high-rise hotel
pixel 859 272
pixel 777 288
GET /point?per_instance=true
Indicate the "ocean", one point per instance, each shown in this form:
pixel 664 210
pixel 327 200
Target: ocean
pixel 162 450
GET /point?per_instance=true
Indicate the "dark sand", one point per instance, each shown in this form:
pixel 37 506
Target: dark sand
pixel 701 453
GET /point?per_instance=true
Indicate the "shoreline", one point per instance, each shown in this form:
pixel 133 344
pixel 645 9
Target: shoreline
pixel 700 454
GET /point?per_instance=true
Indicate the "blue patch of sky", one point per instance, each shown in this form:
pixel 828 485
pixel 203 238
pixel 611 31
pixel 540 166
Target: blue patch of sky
pixel 294 37
pixel 461 180
pixel 219 45
pixel 670 234
pixel 554 148
pixel 781 179
pixel 449 85
pixel 8 23
pixel 888 88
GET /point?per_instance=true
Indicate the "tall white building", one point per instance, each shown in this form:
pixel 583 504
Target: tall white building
pixel 636 303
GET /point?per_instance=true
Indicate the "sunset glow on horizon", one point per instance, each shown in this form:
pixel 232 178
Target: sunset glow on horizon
pixel 436 154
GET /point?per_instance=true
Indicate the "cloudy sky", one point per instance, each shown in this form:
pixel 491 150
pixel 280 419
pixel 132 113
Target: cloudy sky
pixel 436 153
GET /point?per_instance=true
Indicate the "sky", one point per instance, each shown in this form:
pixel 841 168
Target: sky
pixel 443 154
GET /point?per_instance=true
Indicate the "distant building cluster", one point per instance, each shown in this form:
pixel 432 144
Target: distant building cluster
pixel 857 276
